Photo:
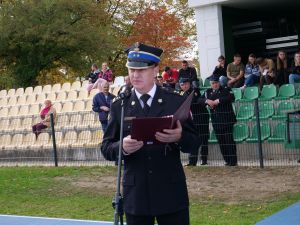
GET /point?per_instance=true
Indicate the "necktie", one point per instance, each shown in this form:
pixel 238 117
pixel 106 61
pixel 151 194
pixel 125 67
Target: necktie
pixel 145 98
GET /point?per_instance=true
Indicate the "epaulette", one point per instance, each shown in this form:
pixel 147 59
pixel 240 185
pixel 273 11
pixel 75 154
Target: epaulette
pixel 116 99
pixel 177 92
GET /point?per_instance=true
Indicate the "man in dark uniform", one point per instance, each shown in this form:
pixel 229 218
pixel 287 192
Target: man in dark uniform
pixel 219 100
pixel 200 119
pixel 154 183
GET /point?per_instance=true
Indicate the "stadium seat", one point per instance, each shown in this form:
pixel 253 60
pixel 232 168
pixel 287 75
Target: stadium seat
pixel 67 107
pixel 16 142
pixel 13 111
pixel 27 124
pixel 250 93
pixel 11 92
pixel 116 90
pixel 93 93
pixel 5 140
pixel 28 91
pixel 15 124
pixel 19 92
pixel 4 112
pixel 31 99
pixel 206 83
pixel 62 121
pixel 42 141
pixel 41 98
pixel 265 133
pixel 49 144
pixel 51 96
pixel 240 132
pixel 96 139
pixel 212 138
pixel 119 81
pixel 29 140
pixel 266 110
pixel 278 134
pixel 12 101
pixel 69 138
pixel 282 107
pixel 4 124
pixel 47 89
pixel 84 138
pixel 79 106
pixel 89 105
pixel 24 110
pixel 237 93
pixel 72 95
pixel 22 100
pixel 3 102
pixel 57 106
pixel 3 93
pixel 34 109
pixel 61 96
pixel 268 92
pixel 76 85
pixel 83 94
pixel 37 90
pixel 84 84
pixel 66 87
pixel 245 112
pixel 74 121
pixel 56 88
pixel 286 91
pixel 89 121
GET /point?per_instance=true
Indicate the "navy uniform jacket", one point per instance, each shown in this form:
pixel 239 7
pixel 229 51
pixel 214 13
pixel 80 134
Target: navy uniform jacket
pixel 222 114
pixel 100 100
pixel 154 180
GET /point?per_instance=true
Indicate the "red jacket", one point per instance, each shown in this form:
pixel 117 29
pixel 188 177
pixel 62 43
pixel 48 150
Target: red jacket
pixel 170 76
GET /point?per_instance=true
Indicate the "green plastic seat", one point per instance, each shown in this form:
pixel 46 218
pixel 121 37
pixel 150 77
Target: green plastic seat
pixel 268 92
pixel 278 134
pixel 266 110
pixel 212 138
pixel 245 112
pixel 206 84
pixel 283 106
pixel 286 91
pixel 237 93
pixel 297 91
pixel 240 132
pixel 250 94
pixel 264 130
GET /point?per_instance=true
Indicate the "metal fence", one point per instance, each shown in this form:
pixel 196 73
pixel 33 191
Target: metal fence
pixel 265 134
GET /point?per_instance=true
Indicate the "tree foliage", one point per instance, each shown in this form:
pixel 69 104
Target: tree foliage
pixel 41 35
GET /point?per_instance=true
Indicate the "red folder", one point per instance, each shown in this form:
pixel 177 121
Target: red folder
pixel 144 129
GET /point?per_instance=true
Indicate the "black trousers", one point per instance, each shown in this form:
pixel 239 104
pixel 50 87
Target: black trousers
pixel 178 218
pixel 224 134
pixel 193 156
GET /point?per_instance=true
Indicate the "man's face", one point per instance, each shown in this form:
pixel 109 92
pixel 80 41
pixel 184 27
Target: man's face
pixel 237 60
pixel 185 86
pixel 93 68
pixel 106 88
pixel 184 66
pixel 215 85
pixel 251 60
pixel 297 58
pixel 143 79
pixel 104 66
pixel 281 55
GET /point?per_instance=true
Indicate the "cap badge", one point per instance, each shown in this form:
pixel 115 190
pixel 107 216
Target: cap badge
pixel 160 100
pixel 136 47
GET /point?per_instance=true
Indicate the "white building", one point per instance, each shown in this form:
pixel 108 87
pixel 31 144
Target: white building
pixel 262 27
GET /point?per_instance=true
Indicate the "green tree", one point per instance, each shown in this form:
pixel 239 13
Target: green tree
pixel 42 35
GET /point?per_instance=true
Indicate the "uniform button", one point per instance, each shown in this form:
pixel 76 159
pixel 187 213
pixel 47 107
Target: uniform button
pixel 150 171
pixel 149 157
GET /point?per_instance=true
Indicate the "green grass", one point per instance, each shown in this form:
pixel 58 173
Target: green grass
pixel 41 191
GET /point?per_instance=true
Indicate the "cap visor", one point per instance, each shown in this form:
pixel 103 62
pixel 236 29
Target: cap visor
pixel 138 65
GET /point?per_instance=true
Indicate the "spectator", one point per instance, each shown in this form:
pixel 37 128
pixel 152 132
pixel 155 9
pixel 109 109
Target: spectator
pixel 92 77
pixel 187 72
pixel 170 76
pixel 106 73
pixel 127 81
pixel 267 70
pixel 200 119
pixel 235 72
pixel 295 69
pixel 282 76
pixel 159 81
pixel 45 118
pixel 101 105
pixel 219 100
pixel 252 73
pixel 221 71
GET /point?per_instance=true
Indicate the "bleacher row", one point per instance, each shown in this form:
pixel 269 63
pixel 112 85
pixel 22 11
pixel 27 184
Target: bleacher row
pixel 76 124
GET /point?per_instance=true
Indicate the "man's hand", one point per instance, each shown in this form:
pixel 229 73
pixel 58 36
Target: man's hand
pixel 211 103
pixel 104 108
pixel 170 135
pixel 131 145
pixel 232 81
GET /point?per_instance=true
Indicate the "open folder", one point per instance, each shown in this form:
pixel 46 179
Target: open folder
pixel 144 129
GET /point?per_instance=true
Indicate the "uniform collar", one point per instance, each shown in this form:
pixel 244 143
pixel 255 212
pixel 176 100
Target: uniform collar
pixel 151 92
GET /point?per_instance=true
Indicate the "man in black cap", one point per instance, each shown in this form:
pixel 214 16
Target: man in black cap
pixel 154 185
pixel 200 119
pixel 219 100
